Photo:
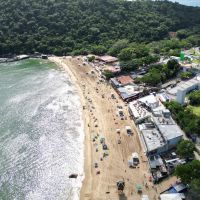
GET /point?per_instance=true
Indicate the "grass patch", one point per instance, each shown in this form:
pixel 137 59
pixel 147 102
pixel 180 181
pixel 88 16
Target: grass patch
pixel 195 110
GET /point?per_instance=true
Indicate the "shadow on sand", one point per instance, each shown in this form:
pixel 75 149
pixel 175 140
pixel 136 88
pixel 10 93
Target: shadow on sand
pixel 122 197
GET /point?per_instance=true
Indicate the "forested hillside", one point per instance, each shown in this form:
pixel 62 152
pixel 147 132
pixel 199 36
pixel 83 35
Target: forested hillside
pixel 63 26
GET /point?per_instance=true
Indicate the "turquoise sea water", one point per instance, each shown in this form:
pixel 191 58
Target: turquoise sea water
pixel 41 132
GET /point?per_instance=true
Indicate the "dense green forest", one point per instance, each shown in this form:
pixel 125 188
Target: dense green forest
pixel 81 26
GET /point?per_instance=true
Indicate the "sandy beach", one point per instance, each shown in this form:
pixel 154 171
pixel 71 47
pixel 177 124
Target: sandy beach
pixel 101 119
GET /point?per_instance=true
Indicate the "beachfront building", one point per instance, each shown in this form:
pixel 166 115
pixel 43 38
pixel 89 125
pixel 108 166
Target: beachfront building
pixel 158 132
pixel 126 88
pixel 179 92
pixel 130 92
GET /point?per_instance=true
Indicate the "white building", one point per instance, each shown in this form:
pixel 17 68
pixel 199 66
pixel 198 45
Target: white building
pixel 158 131
pixel 181 89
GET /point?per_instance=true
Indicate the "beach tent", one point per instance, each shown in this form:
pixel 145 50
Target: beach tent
pixel 139 188
pixel 102 140
pixel 135 157
pixel 120 185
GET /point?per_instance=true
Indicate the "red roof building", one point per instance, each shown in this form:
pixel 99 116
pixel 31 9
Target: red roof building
pixel 125 80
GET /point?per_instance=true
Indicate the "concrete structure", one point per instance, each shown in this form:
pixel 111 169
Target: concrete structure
pixel 182 88
pixel 158 131
pixel 130 92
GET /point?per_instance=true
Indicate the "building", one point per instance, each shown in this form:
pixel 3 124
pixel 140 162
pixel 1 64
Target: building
pixel 179 92
pixel 124 80
pixel 157 130
pixel 121 81
pixel 129 92
pixel 175 192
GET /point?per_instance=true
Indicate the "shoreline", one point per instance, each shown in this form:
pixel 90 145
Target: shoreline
pixel 100 117
pixel 86 148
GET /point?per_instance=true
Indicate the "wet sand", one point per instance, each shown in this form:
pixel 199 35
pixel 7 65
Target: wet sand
pixel 101 119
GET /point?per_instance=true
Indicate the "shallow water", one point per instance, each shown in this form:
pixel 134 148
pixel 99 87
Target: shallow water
pixel 41 132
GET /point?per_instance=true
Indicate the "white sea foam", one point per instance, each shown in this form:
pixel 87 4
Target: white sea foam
pixel 42 140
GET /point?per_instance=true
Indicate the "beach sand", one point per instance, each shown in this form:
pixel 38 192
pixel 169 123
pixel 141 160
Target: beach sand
pixel 100 117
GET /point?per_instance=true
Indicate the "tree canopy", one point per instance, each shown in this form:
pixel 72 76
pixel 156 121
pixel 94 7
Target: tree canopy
pixel 186 119
pixel 194 98
pixel 188 172
pixel 82 26
pixel 186 149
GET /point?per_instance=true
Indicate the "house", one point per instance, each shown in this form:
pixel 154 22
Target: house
pixel 129 92
pixel 124 80
pixel 175 192
pixel 179 92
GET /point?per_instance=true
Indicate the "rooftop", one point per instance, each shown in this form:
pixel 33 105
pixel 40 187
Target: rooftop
pixel 152 138
pixel 129 91
pixel 162 127
pixel 150 101
pixel 176 196
pixel 124 80
pixel 168 127
pixel 183 85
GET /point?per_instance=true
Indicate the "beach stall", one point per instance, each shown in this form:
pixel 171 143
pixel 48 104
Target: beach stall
pixel 138 188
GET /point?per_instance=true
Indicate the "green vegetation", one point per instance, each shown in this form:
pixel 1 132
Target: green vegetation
pixel 108 74
pixel 186 75
pixel 152 78
pixel 189 174
pixel 134 56
pixel 91 58
pixel 194 98
pixel 83 26
pixel 195 110
pixel 161 73
pixel 184 116
pixel 186 149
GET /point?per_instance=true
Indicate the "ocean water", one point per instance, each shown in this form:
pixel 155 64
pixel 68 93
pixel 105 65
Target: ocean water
pixel 188 2
pixel 41 133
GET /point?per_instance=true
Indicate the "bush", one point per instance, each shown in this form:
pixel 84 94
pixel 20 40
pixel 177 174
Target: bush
pixel 91 58
pixel 186 149
pixel 194 98
pixel 186 75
